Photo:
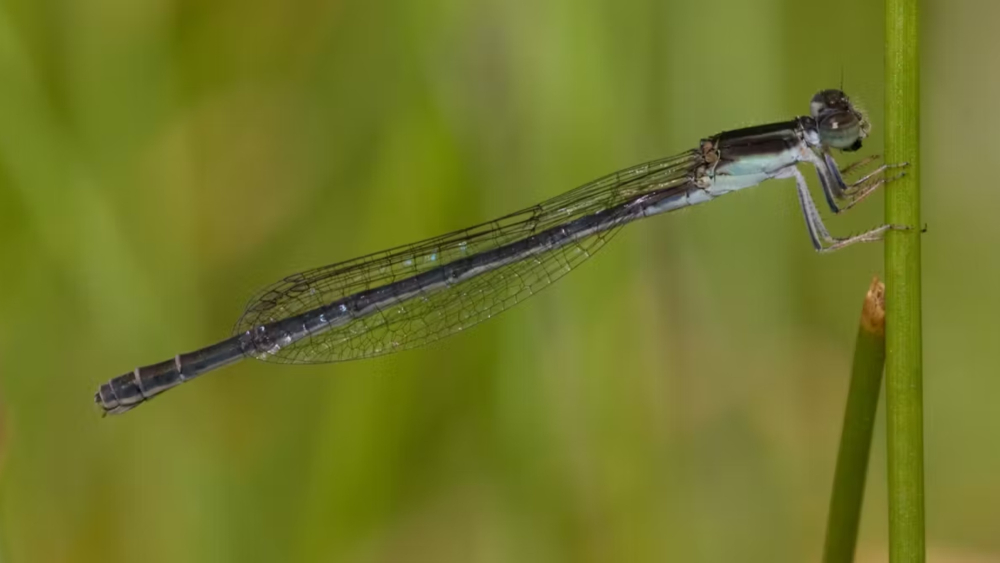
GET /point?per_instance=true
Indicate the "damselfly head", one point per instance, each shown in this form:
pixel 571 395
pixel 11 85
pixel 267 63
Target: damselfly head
pixel 840 124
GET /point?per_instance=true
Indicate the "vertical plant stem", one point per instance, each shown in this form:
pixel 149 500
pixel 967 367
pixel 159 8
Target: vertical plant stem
pixel 856 437
pixel 904 386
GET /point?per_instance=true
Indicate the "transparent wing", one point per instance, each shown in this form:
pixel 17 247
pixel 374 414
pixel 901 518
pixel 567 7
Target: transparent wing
pixel 430 316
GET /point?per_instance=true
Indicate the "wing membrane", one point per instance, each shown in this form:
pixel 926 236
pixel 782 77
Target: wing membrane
pixel 428 317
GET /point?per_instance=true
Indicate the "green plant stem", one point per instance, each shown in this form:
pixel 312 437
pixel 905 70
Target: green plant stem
pixel 904 386
pixel 856 437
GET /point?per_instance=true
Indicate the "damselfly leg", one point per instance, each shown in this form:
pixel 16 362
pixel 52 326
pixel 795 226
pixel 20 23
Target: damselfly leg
pixel 841 196
pixel 819 235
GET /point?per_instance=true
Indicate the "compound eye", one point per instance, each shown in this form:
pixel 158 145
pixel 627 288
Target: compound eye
pixel 841 130
pixel 827 101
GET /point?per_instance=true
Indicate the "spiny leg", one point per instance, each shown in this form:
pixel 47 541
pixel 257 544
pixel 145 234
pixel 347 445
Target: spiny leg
pixel 836 190
pixel 821 239
pixel 829 178
pixel 858 164
pixel 814 224
pixel 877 176
pixel 857 194
pixel 861 184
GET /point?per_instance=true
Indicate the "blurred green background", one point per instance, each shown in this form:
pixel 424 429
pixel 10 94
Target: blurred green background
pixel 678 398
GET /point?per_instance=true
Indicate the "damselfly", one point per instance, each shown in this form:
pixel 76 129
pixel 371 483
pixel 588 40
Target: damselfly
pixel 415 294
